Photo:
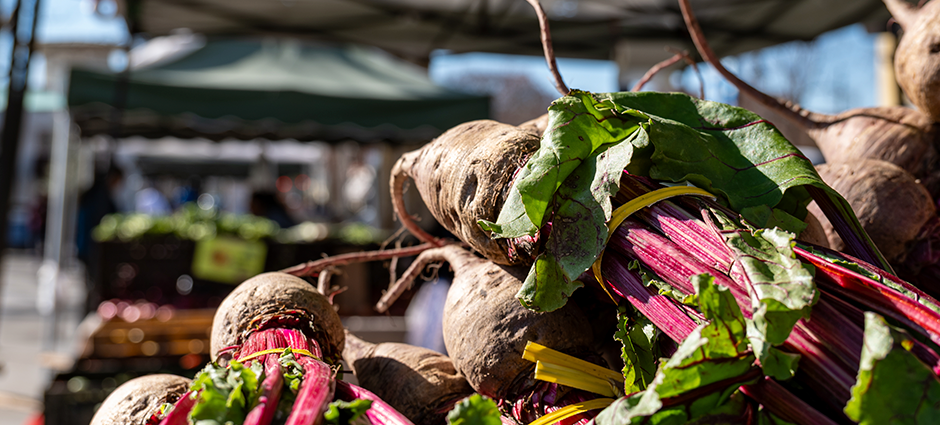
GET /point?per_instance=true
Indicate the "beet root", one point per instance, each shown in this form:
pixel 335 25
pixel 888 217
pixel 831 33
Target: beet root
pixel 889 203
pixel 486 328
pixel 137 400
pixel 273 298
pixel 917 58
pixel 814 232
pixel 420 383
pixel 898 135
pixel 464 176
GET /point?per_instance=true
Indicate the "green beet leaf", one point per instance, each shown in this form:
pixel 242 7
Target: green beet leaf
pixel 637 336
pixel 546 287
pixel 225 394
pixel 575 242
pixel 340 412
pixel 474 410
pixel 672 137
pixel 893 386
pixel 703 374
pixel 781 288
pixel 578 125
pixel 726 150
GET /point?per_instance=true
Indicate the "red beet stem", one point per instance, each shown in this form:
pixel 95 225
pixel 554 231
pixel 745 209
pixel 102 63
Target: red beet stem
pixel 271 386
pixel 316 391
pixel 381 413
pixel 784 404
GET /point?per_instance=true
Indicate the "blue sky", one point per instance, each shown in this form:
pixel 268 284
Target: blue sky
pixel 63 21
pixel 590 75
pixel 75 20
pixel 836 71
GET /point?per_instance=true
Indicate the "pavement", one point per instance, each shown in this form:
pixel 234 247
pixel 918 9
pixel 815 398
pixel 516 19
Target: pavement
pixel 30 351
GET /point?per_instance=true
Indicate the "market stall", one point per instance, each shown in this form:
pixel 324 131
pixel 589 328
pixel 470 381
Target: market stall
pixel 649 258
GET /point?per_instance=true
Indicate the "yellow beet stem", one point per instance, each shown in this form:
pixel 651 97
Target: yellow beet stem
pixel 573 378
pixel 596 269
pixel 277 351
pixel 555 366
pixel 626 210
pixel 573 409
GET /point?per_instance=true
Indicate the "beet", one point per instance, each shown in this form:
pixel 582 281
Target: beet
pixel 420 383
pixel 464 176
pixel 917 58
pixel 891 206
pixel 276 298
pixel 137 400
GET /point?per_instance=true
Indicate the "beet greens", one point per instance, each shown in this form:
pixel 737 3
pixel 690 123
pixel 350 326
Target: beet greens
pixel 591 138
pixel 758 317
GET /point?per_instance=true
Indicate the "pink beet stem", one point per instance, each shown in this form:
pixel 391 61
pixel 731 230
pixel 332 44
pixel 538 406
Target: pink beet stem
pixel 783 403
pixel 271 386
pixel 316 391
pixel 380 412
pixel 667 316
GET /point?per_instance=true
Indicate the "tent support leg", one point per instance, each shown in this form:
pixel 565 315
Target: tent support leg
pixel 23 42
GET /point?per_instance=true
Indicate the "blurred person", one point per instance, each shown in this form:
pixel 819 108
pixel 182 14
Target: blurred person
pixel 93 205
pixel 268 205
pixel 187 192
pixel 38 206
pixel 424 317
pixel 152 202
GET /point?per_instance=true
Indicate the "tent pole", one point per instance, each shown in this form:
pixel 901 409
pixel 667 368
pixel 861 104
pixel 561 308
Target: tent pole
pixel 23 42
pixel 48 274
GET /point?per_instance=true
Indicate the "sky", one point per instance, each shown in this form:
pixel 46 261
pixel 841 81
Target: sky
pixel 836 71
pixel 590 75
pixel 63 21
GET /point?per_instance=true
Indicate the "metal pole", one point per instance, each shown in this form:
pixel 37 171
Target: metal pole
pixel 23 42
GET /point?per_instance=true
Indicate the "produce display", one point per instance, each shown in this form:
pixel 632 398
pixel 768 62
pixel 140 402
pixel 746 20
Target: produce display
pixel 628 258
pixel 275 347
pixel 725 314
pixel 190 222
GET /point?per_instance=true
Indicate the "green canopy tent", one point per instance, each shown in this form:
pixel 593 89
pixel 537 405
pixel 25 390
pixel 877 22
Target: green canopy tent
pixel 274 89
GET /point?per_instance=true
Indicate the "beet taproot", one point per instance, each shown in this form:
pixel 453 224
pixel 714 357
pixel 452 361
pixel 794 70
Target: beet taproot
pixel 815 232
pixel 917 57
pixel 464 176
pixel 272 298
pixel 486 328
pixel 420 383
pixel 138 400
pixel 891 206
pixel 899 135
